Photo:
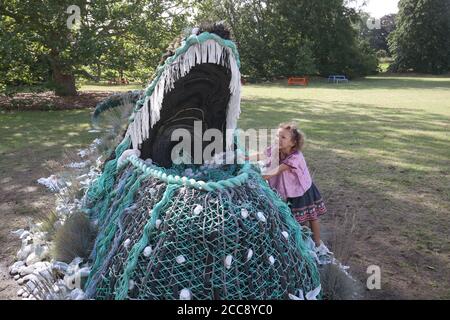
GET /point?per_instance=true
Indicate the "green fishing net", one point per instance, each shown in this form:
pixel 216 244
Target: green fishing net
pixel 162 236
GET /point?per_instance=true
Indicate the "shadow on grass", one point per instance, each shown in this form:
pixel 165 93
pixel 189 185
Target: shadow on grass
pixel 36 130
pixel 376 162
pixel 396 228
pixel 411 136
pixel 27 140
pixel 389 166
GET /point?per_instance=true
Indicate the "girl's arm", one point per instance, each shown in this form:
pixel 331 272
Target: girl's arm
pixel 255 157
pixel 274 172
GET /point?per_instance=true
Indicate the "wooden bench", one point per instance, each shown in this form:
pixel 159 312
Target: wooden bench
pixel 297 81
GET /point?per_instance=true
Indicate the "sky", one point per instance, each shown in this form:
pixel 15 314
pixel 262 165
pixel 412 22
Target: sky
pixel 379 8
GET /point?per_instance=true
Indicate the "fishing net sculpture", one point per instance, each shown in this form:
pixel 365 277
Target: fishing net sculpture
pixel 175 231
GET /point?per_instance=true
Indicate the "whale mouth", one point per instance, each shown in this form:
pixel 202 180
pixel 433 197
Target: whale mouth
pixel 202 95
pixel 199 82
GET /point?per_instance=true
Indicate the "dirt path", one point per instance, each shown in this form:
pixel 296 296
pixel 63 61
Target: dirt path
pixel 389 235
pixel 21 199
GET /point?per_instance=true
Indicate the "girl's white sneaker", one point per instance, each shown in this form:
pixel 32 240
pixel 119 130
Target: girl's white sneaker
pixel 323 254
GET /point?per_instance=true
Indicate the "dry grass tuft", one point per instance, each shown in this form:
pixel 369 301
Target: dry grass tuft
pixel 74 239
pixel 336 284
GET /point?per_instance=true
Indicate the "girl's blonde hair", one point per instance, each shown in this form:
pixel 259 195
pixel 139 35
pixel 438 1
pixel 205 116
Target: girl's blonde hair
pixel 297 135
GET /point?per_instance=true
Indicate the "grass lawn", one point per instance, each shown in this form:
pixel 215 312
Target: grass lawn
pixel 88 86
pixel 38 130
pixel 379 150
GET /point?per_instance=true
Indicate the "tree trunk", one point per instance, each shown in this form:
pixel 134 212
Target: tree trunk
pixel 64 83
pixel 99 72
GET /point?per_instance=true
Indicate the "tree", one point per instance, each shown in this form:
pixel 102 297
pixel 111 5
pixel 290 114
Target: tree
pixel 40 29
pixel 267 47
pixel 17 64
pixel 421 41
pixel 337 47
pixel 294 37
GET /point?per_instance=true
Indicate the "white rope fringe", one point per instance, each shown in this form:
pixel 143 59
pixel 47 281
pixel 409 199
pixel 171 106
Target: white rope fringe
pixel 207 52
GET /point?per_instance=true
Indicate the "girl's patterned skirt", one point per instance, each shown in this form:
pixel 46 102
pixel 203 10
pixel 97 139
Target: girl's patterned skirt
pixel 307 207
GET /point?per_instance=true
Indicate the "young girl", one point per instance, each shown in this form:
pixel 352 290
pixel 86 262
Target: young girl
pixel 289 176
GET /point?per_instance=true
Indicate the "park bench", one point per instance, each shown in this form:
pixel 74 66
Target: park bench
pixel 298 81
pixel 337 78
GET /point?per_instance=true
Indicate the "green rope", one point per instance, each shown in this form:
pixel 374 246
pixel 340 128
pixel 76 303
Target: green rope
pixel 285 212
pixel 122 290
pixel 107 204
pixel 206 239
pixel 158 173
pixel 114 101
pixel 103 185
pixel 126 200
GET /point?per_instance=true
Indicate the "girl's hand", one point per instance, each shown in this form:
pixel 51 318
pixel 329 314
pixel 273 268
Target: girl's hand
pixel 275 172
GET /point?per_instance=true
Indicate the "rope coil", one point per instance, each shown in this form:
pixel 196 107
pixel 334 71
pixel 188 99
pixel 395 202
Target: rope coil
pixel 155 172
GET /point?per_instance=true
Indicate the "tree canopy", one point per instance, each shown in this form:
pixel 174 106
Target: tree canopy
pixel 294 37
pixel 37 44
pixel 421 41
pixel 126 38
